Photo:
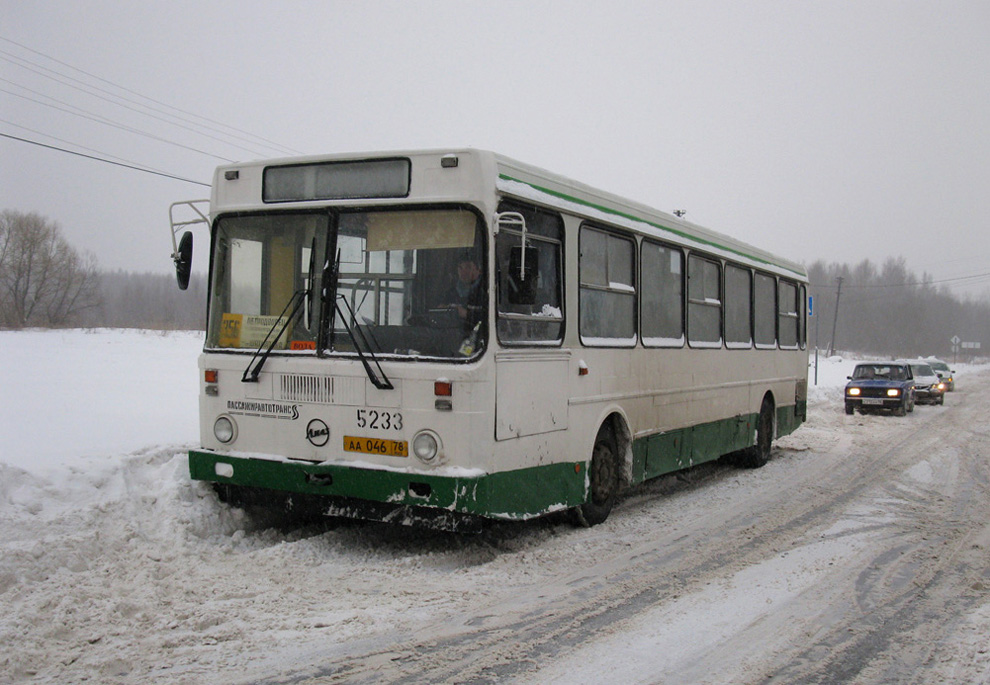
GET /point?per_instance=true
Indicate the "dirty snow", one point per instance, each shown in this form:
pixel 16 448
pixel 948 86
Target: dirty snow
pixel 115 567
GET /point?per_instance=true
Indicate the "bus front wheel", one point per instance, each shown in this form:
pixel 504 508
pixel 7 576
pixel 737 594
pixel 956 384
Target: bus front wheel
pixel 603 480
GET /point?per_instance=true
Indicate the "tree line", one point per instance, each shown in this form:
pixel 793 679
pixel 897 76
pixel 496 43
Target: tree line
pixel 888 310
pixel 45 282
pixel 882 309
pixel 148 300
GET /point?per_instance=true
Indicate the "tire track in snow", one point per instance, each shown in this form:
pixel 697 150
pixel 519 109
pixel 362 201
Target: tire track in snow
pixel 512 637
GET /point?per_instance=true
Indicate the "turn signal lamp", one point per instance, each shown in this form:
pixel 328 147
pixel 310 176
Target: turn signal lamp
pixel 443 389
pixel 210 376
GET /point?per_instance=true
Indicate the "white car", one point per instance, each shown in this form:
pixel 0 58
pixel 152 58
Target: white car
pixel 928 387
pixel 944 372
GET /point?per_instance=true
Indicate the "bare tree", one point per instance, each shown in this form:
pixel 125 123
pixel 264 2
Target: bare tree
pixel 43 279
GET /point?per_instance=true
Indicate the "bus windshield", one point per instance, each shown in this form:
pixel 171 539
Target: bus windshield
pixel 406 283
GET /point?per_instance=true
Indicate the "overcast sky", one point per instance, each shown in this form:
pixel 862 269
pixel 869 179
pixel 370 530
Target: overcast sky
pixel 819 130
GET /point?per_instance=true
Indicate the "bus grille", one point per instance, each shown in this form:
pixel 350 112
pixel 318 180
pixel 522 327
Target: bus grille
pixel 306 389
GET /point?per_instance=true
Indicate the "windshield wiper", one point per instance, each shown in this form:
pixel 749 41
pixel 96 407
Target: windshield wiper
pixel 253 370
pixel 330 295
pixel 300 296
pixel 380 380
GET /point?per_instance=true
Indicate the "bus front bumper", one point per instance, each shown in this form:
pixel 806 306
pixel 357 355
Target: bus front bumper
pixel 446 502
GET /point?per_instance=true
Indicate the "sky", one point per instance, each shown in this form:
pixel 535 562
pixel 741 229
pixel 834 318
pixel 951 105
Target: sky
pixel 835 131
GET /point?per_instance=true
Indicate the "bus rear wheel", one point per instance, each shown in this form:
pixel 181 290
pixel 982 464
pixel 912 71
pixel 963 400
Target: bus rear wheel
pixel 759 454
pixel 603 480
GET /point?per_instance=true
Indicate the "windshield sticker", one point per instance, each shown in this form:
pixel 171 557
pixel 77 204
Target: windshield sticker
pixel 248 330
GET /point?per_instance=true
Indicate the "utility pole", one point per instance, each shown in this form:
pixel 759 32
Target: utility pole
pixel 831 345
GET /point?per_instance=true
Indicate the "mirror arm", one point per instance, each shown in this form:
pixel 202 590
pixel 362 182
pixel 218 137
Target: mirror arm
pixel 517 221
pixel 182 250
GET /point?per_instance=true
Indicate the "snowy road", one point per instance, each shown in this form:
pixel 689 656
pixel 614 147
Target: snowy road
pixel 865 557
pixel 860 553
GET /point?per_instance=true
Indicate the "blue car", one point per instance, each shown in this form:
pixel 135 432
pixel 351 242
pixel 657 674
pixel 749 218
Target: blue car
pixel 881 386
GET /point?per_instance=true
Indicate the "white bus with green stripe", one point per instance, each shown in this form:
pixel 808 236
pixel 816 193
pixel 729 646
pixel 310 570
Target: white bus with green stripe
pixel 350 366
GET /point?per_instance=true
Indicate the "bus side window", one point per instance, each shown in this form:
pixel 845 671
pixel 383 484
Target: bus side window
pixel 765 311
pixel 788 318
pixel 528 276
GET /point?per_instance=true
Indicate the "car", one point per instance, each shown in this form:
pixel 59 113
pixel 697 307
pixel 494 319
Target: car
pixel 944 372
pixel 880 386
pixel 928 387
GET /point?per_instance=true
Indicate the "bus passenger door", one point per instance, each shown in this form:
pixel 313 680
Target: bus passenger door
pixel 531 396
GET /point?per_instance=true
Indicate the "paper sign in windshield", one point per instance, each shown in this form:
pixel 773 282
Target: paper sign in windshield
pixel 250 330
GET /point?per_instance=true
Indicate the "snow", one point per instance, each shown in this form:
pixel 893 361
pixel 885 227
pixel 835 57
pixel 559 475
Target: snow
pixel 116 567
pixel 80 393
pixel 691 627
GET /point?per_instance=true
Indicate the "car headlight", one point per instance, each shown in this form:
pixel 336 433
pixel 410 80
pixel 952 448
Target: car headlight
pixel 941 386
pixel 852 391
pixel 893 392
pixel 426 447
pixel 224 429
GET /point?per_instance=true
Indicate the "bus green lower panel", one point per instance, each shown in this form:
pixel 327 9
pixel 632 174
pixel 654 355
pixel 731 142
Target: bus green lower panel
pixel 679 449
pixel 662 453
pixel 790 418
pixel 519 494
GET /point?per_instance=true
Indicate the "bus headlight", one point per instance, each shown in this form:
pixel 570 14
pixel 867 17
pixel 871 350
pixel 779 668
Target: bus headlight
pixel 426 447
pixel 224 429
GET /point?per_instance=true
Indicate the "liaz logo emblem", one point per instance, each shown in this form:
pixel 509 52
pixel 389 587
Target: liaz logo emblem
pixel 317 432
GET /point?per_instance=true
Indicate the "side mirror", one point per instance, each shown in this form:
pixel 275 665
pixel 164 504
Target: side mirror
pixel 177 219
pixel 183 260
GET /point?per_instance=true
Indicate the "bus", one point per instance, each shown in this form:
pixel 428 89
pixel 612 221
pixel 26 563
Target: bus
pixel 448 337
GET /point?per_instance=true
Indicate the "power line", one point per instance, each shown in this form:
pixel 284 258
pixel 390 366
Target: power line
pixel 251 136
pixel 83 114
pixel 88 89
pixel 106 161
pixel 905 285
pixel 106 155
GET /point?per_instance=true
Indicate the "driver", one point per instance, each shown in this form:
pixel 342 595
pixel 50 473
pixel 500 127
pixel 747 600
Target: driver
pixel 466 296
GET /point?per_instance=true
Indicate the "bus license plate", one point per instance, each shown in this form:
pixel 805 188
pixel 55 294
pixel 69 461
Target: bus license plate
pixel 872 400
pixel 388 448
